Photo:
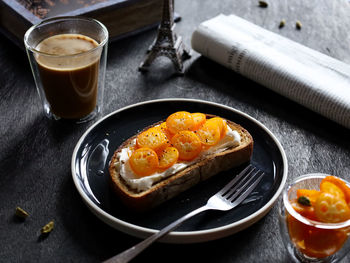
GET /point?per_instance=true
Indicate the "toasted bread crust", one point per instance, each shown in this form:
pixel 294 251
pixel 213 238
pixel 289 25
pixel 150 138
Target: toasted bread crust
pixel 181 181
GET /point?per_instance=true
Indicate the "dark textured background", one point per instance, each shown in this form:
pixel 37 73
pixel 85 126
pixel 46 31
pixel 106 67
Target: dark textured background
pixel 35 153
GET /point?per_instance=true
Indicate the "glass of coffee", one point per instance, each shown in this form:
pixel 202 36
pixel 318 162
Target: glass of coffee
pixel 68 58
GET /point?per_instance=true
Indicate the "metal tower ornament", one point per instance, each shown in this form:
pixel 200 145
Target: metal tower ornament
pixel 167 42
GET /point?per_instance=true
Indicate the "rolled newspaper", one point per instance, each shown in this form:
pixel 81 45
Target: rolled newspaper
pixel 304 75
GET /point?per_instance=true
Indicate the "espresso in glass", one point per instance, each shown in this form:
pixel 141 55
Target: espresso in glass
pixel 68 66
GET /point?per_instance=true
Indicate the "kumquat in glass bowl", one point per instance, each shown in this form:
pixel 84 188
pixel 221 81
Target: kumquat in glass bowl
pixel 314 218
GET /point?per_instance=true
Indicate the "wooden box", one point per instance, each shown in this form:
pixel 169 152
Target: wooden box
pixel 121 17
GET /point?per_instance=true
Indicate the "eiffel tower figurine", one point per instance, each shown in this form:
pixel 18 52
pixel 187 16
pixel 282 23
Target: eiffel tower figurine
pixel 167 42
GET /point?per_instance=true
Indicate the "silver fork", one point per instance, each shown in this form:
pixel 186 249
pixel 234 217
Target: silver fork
pixel 227 198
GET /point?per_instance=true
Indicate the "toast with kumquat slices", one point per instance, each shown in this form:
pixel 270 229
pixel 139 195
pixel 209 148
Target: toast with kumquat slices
pixel 173 155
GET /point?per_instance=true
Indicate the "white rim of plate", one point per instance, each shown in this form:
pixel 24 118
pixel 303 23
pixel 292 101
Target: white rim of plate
pixel 183 236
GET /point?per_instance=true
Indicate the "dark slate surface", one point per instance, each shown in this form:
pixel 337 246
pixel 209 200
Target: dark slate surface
pixel 35 153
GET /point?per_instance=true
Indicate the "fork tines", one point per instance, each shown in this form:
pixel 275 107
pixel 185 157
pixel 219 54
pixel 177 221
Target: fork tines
pixel 242 184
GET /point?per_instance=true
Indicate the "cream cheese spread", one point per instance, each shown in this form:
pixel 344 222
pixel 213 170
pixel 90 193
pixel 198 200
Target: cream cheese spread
pixel 231 139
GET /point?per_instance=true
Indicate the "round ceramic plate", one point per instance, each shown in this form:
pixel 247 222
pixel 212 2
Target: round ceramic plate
pixel 90 174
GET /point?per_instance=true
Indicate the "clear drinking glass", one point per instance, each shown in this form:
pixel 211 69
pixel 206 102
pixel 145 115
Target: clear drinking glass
pixel 308 240
pixel 70 85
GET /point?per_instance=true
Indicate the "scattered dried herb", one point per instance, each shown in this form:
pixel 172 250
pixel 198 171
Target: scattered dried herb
pixel 303 200
pixel 298 25
pixel 282 23
pixel 263 4
pixel 21 213
pixel 47 228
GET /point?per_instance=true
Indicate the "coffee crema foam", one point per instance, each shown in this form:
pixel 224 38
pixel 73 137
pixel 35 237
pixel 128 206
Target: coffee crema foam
pixel 66 44
pixel 63 45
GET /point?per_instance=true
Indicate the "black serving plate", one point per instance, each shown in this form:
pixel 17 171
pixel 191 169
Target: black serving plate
pixel 90 174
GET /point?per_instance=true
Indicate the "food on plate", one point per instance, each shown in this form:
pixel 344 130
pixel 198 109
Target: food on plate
pixel 175 154
pixel 329 204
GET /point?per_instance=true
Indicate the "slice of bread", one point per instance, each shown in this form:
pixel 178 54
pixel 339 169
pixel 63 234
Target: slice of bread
pixel 167 188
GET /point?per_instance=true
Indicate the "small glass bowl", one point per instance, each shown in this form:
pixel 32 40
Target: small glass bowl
pixel 308 240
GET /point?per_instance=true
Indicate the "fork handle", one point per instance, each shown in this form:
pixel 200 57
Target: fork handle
pixel 132 252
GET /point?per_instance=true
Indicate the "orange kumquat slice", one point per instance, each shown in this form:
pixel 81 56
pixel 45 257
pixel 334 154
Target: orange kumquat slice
pixel 331 188
pixel 152 138
pixel 188 145
pixel 168 157
pixel 209 134
pixel 341 184
pixel 165 130
pixel 144 162
pixel 199 119
pixel 180 121
pixel 221 123
pixel 330 208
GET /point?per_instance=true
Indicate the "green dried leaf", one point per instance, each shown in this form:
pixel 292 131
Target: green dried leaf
pixel 47 228
pixel 21 212
pixel 303 200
